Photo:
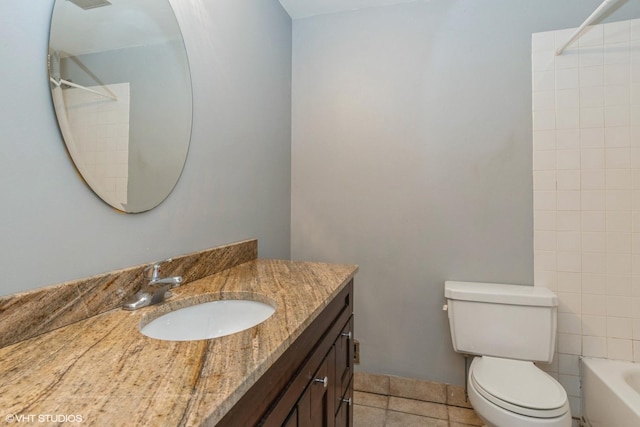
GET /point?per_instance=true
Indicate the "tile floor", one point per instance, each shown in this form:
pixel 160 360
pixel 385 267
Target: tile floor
pixel 387 401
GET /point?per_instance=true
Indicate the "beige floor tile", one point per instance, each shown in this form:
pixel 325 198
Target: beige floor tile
pixel 456 396
pixel 366 416
pixel 418 389
pixel 400 419
pixel 464 416
pixel 370 399
pixel 371 383
pixel 418 407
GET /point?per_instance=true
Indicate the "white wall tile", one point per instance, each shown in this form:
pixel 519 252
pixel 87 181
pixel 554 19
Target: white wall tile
pixel 592 137
pixel 587 227
pixel 618 242
pixel 591 158
pixel 593 200
pixel 544 201
pixel 592 179
pixel 634 94
pixel 592 305
pixel 567 118
pixel 636 351
pixel 545 260
pixel 571 384
pixel 544 240
pixel 595 326
pixel 572 324
pixel 594 283
pixel 593 220
pixel 544 80
pixel 544 100
pixel 569 343
pixel 567 78
pixel 544 41
pixel 569 302
pixel 591 97
pixel 570 282
pixel 568 220
pixel 544 140
pixel 617 32
pixel 593 36
pixel 618 200
pixel 616 95
pixel 620 349
pixel 619 327
pixel 568 159
pixel 618 306
pixel 568 98
pixel 618 285
pixel 592 117
pixel 591 76
pixel 594 262
pixel 568 200
pixel 569 261
pixel 594 241
pixel 617 115
pixel 568 241
pixel 594 346
pixel 543 60
pixel 567 138
pixel 546 160
pixel 591 57
pixel 546 180
pixel 568 364
pixel 618 53
pixel 570 179
pixel 544 220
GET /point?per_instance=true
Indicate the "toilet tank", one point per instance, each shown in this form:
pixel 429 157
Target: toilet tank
pixel 510 321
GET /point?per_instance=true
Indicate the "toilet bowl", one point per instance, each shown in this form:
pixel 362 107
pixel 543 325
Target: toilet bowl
pixel 507 328
pixel 511 393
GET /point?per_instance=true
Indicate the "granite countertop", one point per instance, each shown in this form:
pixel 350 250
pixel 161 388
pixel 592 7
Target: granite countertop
pixel 103 371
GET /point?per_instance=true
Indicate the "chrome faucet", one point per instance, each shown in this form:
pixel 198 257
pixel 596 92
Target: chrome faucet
pixel 155 291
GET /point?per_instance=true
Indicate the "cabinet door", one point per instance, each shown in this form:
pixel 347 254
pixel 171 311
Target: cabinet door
pixel 303 410
pixel 292 420
pixel 344 360
pixel 344 416
pixel 322 393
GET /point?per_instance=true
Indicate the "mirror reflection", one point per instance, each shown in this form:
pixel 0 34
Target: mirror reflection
pixel 121 89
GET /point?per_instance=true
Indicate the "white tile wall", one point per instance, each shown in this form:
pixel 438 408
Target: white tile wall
pixel 586 170
pixel 99 127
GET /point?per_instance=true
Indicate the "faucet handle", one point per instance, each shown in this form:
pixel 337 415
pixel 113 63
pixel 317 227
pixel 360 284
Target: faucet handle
pixel 152 272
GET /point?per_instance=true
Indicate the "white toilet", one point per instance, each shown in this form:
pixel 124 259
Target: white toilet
pixel 509 327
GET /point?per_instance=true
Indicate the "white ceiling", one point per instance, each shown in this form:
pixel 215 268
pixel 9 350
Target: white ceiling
pixel 305 8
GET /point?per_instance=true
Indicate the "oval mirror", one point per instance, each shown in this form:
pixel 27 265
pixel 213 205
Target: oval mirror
pixel 121 90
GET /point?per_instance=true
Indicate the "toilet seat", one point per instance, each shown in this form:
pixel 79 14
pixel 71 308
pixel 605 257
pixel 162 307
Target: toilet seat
pixel 518 386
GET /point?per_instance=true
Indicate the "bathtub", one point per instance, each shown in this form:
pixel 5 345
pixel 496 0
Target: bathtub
pixel 611 393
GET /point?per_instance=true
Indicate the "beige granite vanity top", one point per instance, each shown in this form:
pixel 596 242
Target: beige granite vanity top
pixel 102 371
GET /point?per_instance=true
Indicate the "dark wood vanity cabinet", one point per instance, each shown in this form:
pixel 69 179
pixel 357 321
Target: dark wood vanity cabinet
pixel 311 384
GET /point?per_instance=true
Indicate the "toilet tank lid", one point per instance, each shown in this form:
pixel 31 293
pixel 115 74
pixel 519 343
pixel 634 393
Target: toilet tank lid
pixel 500 293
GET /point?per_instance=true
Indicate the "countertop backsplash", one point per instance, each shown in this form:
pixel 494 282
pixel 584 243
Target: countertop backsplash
pixel 28 314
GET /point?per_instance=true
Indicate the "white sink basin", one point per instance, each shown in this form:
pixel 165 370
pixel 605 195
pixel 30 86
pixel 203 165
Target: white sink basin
pixel 208 320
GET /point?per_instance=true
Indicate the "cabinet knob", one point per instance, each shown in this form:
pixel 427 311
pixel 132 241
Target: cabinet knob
pixel 324 381
pixel 346 334
pixel 347 401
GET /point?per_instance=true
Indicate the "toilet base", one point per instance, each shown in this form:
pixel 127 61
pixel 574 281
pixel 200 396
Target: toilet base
pixel 495 416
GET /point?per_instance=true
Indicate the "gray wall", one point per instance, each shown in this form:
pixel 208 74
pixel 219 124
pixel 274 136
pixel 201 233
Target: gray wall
pixel 411 154
pixel 236 182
